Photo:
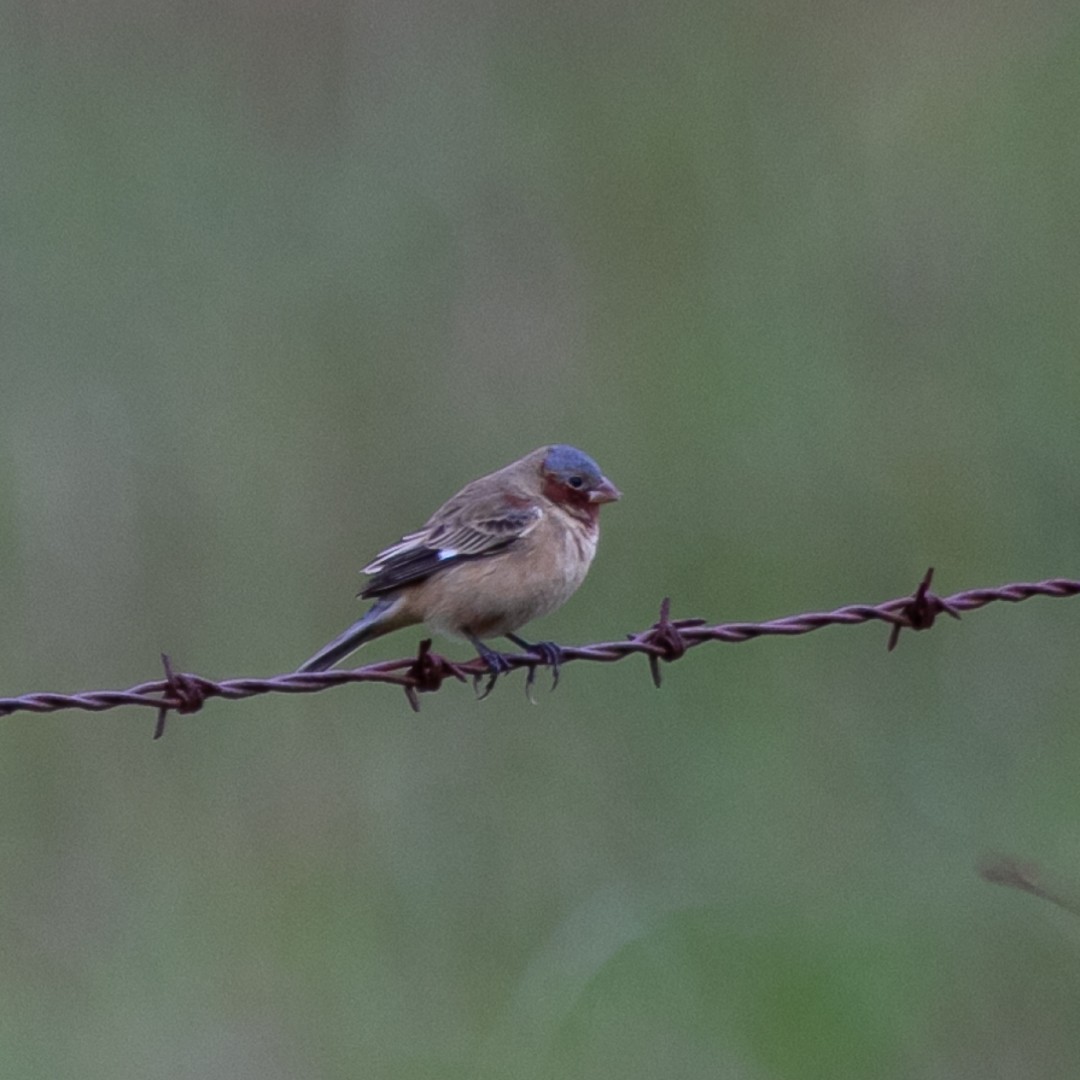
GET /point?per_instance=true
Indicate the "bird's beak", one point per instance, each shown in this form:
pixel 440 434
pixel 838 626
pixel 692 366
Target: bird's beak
pixel 604 492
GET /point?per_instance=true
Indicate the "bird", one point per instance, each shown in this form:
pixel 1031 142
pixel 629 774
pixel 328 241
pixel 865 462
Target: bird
pixel 507 548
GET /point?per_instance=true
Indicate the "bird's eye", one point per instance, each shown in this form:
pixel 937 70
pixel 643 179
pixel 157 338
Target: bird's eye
pixel 576 481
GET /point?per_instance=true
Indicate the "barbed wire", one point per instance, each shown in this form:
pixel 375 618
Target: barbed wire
pixel 666 640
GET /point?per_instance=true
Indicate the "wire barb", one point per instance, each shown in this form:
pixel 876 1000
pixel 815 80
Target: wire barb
pixel 184 693
pixel 666 640
pixel 921 610
pixel 427 672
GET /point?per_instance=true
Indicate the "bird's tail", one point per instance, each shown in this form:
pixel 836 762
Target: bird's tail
pixel 379 619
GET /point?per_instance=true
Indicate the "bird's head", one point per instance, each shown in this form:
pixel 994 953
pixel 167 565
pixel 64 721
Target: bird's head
pixel 573 480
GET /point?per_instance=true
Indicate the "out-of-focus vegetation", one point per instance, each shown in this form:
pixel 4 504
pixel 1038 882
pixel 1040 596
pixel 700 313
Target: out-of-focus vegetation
pixel 276 279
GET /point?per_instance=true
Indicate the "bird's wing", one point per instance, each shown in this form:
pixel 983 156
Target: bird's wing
pixel 460 531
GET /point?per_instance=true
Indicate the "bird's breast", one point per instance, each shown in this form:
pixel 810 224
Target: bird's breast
pixel 498 595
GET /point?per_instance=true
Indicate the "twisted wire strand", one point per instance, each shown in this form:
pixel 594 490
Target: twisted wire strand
pixel 666 640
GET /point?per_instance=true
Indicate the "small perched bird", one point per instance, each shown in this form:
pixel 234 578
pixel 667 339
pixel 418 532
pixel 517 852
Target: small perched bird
pixel 506 549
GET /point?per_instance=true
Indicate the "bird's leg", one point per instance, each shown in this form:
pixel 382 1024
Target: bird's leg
pixel 497 664
pixel 548 651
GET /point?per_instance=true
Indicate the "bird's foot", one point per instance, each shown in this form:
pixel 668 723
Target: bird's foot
pixel 497 665
pixel 549 652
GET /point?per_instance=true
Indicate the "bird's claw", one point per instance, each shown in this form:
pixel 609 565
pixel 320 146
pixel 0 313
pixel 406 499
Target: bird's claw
pixel 550 653
pixel 497 665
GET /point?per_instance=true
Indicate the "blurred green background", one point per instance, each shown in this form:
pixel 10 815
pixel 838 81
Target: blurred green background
pixel 278 278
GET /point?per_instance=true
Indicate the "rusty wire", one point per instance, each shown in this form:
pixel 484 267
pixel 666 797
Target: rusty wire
pixel 667 639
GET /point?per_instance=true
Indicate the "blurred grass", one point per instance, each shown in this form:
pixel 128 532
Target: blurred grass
pixel 276 280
